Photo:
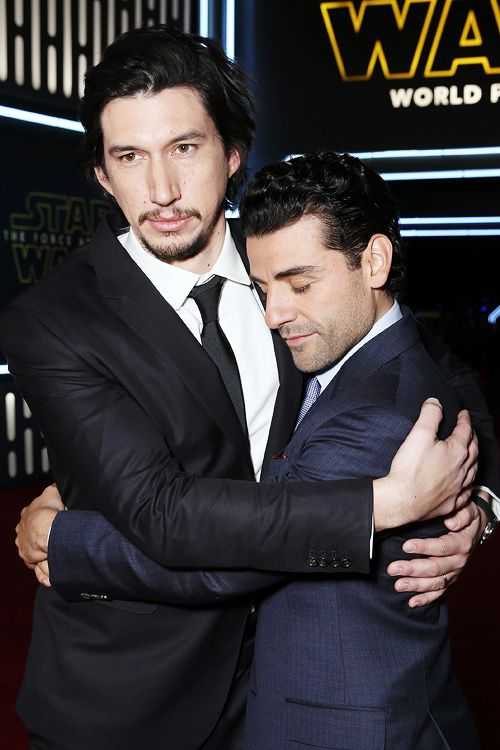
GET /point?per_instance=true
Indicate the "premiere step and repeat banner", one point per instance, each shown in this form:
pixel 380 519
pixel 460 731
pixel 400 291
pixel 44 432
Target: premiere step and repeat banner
pixel 365 75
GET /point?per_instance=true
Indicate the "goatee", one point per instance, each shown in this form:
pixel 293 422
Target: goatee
pixel 175 251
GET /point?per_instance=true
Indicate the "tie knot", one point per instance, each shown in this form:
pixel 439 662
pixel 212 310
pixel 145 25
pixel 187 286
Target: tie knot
pixel 207 298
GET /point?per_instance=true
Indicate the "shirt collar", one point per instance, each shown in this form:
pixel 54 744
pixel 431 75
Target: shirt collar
pixel 388 319
pixel 229 264
pixel 174 283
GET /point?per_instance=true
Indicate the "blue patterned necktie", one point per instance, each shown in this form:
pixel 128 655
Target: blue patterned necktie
pixel 311 395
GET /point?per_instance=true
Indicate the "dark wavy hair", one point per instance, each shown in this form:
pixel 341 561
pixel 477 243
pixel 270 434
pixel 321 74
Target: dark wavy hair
pixel 352 201
pixel 154 58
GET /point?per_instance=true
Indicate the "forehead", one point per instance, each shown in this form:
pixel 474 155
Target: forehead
pixel 172 110
pixel 298 244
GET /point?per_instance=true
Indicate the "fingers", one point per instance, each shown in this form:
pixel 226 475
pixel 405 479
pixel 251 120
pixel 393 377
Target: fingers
pixel 44 567
pixel 451 504
pixel 464 517
pixel 42 574
pixel 470 475
pixel 421 600
pixel 463 432
pixel 430 416
pixel 50 498
pixel 453 543
pixel 426 585
pixel 425 568
pixel 31 556
pixel 463 498
pixel 32 533
pixel 470 465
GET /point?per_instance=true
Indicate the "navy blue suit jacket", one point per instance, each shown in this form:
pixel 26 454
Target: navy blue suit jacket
pixel 345 663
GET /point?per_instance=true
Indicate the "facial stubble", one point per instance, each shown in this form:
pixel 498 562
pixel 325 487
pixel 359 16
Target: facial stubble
pixel 178 252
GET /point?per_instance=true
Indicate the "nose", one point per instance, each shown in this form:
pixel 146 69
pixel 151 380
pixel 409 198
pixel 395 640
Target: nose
pixel 279 309
pixel 164 187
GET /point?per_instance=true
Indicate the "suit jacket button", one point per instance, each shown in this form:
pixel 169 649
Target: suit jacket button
pixel 312 562
pixel 323 561
pixel 335 563
pixel 346 562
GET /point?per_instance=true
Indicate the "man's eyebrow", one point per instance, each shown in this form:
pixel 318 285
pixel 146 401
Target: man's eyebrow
pixel 189 135
pixel 297 271
pixel 294 271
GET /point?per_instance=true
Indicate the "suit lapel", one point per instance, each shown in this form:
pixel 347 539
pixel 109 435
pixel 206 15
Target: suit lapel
pixel 345 387
pixel 136 301
pixel 291 380
pixel 378 352
pixel 288 400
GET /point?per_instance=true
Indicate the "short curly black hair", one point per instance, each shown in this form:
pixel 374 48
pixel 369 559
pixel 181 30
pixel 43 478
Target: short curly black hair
pixel 352 201
pixel 150 59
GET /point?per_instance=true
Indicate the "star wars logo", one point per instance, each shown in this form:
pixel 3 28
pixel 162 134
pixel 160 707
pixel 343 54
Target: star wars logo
pixel 406 39
pixel 50 227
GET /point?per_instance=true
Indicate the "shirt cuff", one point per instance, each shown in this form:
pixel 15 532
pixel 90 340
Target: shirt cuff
pixel 495 500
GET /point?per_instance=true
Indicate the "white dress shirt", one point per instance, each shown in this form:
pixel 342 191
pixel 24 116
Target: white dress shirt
pixel 241 317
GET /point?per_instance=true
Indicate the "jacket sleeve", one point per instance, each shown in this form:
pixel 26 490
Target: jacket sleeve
pixel 87 554
pixel 465 383
pixel 108 455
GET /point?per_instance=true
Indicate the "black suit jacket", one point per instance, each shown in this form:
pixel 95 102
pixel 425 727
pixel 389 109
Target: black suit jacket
pixel 134 413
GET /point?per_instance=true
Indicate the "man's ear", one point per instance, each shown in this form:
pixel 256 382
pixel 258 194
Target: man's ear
pixel 102 179
pixel 377 260
pixel 233 162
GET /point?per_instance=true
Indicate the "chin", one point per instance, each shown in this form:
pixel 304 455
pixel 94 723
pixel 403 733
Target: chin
pixel 303 365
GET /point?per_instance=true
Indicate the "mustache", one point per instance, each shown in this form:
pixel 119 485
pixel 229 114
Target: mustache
pixel 176 213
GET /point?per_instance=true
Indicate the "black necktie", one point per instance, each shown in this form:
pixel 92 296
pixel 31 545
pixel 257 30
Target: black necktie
pixel 216 344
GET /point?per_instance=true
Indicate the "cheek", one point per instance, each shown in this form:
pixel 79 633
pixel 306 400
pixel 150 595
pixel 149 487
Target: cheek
pixel 211 171
pixel 134 192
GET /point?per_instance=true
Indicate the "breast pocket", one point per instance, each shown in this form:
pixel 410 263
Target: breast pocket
pixel 335 727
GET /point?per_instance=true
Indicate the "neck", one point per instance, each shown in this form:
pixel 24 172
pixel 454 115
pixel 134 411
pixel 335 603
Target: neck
pixel 383 303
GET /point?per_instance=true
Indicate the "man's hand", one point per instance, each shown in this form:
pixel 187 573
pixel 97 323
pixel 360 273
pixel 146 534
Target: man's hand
pixel 32 531
pixel 428 477
pixel 42 573
pixel 429 577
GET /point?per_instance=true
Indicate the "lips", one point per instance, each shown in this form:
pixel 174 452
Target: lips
pixel 172 224
pixel 298 339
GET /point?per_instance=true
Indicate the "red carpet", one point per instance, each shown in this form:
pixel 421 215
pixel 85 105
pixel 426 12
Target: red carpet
pixel 474 614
